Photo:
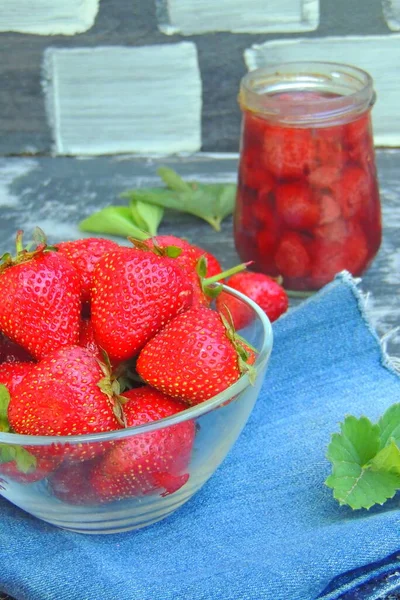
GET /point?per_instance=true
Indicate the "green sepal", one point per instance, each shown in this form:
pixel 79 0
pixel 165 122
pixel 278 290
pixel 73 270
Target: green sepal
pixel 4 402
pixel 24 460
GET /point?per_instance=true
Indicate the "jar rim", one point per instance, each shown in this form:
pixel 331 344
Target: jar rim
pixel 342 92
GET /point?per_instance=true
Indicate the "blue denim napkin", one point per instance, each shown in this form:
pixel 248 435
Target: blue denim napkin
pixel 264 527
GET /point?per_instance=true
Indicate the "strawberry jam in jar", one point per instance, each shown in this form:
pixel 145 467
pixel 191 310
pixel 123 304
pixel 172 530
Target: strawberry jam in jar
pixel 308 200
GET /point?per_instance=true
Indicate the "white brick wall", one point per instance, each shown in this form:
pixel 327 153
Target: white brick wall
pixel 124 99
pixel 379 55
pixel 48 17
pixel 238 16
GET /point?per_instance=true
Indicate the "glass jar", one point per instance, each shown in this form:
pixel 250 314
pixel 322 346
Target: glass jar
pixel 308 200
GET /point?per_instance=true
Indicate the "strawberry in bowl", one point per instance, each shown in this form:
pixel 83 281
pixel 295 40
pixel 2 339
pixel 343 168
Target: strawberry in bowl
pixel 128 386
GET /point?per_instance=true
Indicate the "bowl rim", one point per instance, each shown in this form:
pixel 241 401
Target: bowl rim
pixel 191 412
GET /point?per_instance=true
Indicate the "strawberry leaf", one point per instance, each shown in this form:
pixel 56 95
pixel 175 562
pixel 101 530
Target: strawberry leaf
pixel 4 402
pixel 113 220
pixel 173 180
pixel 387 459
pixel 356 480
pixel 146 216
pixel 211 202
pixel 389 425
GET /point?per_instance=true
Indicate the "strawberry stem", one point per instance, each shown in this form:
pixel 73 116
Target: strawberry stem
pixel 227 273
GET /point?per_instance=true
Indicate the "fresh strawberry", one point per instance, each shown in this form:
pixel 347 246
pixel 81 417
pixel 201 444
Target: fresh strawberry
pixel 296 206
pixel 188 259
pixel 11 374
pixel 213 264
pixel 154 462
pixel 264 290
pixel 134 294
pixel 84 255
pixel 292 258
pixel 194 357
pixel 163 241
pixel 12 352
pixel 71 483
pixel 40 300
pixel 87 338
pixel 40 468
pixel 61 395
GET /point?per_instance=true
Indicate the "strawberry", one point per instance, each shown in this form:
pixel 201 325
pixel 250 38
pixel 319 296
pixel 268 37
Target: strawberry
pixel 70 483
pixel 163 241
pixel 40 468
pixel 352 190
pixel 84 254
pixel 329 209
pixel 335 230
pixel 292 258
pixel 288 153
pixel 47 402
pixel 333 256
pixel 11 374
pixel 188 260
pixel 324 177
pixel 40 301
pixel 263 290
pixel 12 352
pixel 154 462
pixel 204 358
pixel 296 206
pixel 87 339
pixel 134 295
pixel 213 265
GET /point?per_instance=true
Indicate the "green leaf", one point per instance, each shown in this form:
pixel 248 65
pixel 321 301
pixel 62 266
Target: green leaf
pixel 357 443
pixel 173 180
pixel 387 459
pixel 354 480
pixel 211 202
pixel 362 488
pixel 389 425
pixel 4 402
pixel 25 461
pixel 113 220
pixel 146 216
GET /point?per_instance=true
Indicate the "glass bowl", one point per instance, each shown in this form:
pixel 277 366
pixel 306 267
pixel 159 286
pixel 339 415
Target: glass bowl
pixel 62 496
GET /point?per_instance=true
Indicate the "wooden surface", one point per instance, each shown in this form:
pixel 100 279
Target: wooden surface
pixel 57 193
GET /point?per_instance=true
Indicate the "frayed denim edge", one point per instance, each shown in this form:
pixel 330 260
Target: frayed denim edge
pixel 392 363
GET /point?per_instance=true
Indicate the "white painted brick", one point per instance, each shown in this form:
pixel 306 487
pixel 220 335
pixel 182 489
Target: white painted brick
pixel 117 99
pixel 48 17
pixel 250 16
pixel 391 12
pixel 379 55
